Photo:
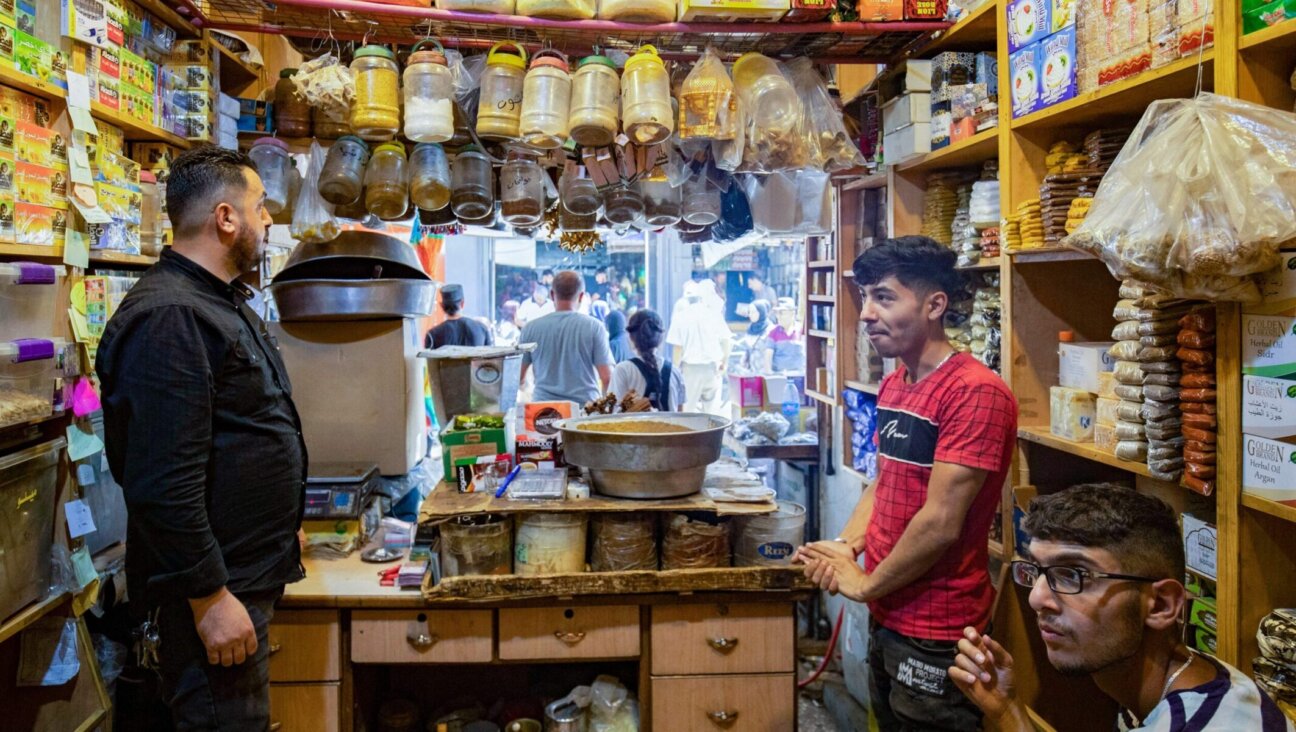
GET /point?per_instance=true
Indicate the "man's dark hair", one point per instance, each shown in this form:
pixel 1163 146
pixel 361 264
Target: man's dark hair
pixel 1141 531
pixel 198 177
pixel 452 307
pixel 567 285
pixel 918 262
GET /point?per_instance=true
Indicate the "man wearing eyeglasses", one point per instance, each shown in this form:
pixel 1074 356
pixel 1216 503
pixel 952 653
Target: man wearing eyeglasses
pixel 1105 566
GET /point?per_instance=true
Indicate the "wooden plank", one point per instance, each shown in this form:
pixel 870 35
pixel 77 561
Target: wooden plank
pixel 821 397
pixel 166 11
pixel 974 150
pixel 1274 39
pixel 1086 450
pixel 976 31
pixel 1228 482
pixel 486 589
pixel 874 180
pixel 23 619
pixel 861 386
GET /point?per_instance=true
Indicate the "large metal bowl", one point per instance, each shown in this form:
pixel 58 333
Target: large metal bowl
pixel 334 300
pixel 354 255
pixel 645 464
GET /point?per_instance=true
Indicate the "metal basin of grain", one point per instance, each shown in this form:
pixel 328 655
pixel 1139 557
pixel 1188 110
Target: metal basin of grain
pixel 645 464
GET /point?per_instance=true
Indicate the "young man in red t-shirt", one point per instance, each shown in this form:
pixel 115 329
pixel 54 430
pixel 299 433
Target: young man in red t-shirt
pixel 945 431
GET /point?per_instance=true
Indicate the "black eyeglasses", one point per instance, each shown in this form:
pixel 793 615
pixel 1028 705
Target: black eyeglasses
pixel 1064 580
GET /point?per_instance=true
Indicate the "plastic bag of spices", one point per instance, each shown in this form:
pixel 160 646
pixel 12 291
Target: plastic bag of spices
pixel 313 220
pixel 623 542
pixel 831 147
pixel 692 541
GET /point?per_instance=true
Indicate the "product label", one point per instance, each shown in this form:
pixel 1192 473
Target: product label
pixel 1268 407
pixel 776 550
pixel 1027 22
pixel 1057 70
pixel 1025 81
pixel 1269 346
pixel 1269 469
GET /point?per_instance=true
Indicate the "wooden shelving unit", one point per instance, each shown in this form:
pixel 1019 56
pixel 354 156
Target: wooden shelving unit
pixel 976 149
pixel 1086 450
pixel 97 256
pixel 861 386
pixel 1272 508
pixel 30 614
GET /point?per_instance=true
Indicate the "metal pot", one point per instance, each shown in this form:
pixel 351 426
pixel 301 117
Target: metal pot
pixel 336 299
pixel 643 464
pixel 354 255
pixel 565 715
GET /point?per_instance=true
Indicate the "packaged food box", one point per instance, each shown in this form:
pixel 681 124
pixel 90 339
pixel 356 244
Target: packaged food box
pixel 190 52
pixel 1105 438
pixel 1204 614
pixel 906 142
pixel 1079 365
pixel 747 391
pixel 7 33
pixel 1024 69
pixel 34 224
pixel 723 11
pixel 1200 541
pixel 910 75
pixel 7 211
pixel 1057 72
pixel 925 9
pixel 189 76
pixel 25 14
pixel 1028 22
pixel 1269 408
pixel 1204 641
pixel 34 144
pixel 474 435
pixel 540 450
pixel 880 10
pixel 1062 14
pixel 118 170
pixel 1105 411
pixel 9 12
pixel 1071 414
pixel 32 55
pixel 950 69
pixel 154 155
pixel 1269 346
pixel 542 417
pixel 809 11
pixel 905 110
pixel 110 93
pixel 1268 469
pixel 34 183
pixel 942 124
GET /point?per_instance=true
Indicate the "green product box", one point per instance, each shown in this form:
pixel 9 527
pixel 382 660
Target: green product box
pixel 1203 614
pixel 1204 641
pixel 1263 16
pixel 470 436
pixel 31 55
pixel 7 32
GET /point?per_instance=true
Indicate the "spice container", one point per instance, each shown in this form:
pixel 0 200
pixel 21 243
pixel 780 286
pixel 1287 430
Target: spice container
pixel 770 540
pixel 270 156
pixel 624 542
pixel 522 189
pixel 32 373
pixel 701 201
pixel 375 113
pixel 661 201
pixel 550 543
pixel 568 221
pixel 622 205
pixel 499 108
pixel 546 101
pixel 330 123
pixel 646 112
pixel 429 95
pixel 579 195
pixel 429 177
pixel 477 545
pixel 292 115
pixel 691 542
pixel 595 91
pixel 472 188
pixel 387 182
pixel 342 180
pixel 768 97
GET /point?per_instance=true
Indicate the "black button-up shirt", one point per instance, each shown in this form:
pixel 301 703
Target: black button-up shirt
pixel 203 436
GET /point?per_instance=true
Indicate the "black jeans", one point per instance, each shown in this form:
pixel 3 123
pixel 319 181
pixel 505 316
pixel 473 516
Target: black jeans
pixel 910 688
pixel 206 696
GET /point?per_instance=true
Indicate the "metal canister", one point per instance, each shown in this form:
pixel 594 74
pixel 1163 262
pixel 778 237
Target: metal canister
pixel 565 715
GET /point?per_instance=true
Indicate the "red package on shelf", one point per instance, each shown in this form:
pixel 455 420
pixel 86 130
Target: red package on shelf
pixel 925 9
pixel 809 11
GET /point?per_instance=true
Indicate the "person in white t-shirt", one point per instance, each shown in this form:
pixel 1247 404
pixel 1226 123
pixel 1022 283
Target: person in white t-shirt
pixel 699 331
pixel 536 306
pixel 644 374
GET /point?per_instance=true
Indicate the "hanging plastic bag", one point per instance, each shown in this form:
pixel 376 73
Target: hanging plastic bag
pixel 325 83
pixel 735 212
pixel 1199 199
pixel 313 220
pixel 814 202
pixel 467 85
pixel 768 148
pixel 708 105
pixel 831 146
pixel 773 200
pixel 612 707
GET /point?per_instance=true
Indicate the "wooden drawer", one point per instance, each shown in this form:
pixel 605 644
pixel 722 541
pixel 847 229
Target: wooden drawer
pixel 723 639
pixel 305 645
pixel 561 633
pixel 428 636
pixel 712 703
pixel 304 707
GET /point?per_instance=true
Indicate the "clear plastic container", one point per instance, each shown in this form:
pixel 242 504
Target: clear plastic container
pixel 550 543
pixel 342 180
pixel 646 112
pixel 593 120
pixel 28 487
pixel 32 372
pixel 29 297
pixel 330 124
pixel 569 221
pixel 522 191
pixel 387 182
pixel 270 156
pixel 477 545
pixel 292 115
pixel 662 201
pixel 150 215
pixel 638 11
pixel 623 542
pixel 375 112
pixel 701 201
pixel 472 189
pixel 622 205
pixel 546 101
pixel 579 195
pixel 429 177
pixel 539 485
pixel 429 95
pixel 768 97
pixel 499 108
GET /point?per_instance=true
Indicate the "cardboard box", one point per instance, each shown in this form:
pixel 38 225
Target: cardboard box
pixel 1023 67
pixel 905 110
pixel 907 142
pixel 7 218
pixel 1062 14
pixel 1268 469
pixel 1278 285
pixel 1080 363
pixel 541 417
pixel 1204 614
pixel 726 11
pixel 809 11
pixel 541 450
pixel 34 224
pixel 1204 641
pixel 881 10
pixel 1071 413
pixel 358 387
pixel 1057 71
pixel 1269 346
pixel 1028 22
pixel 1107 385
pixel 925 9
pixel 7 32
pixel 986 71
pixel 951 68
pixel 85 21
pixel 34 144
pixel 911 75
pixel 963 129
pixel 1200 541
pixel 459 443
pixel 1269 408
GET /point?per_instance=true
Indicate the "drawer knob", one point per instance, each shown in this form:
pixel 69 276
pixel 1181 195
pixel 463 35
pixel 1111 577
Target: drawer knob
pixel 723 645
pixel 723 719
pixel 276 726
pixel 570 638
pixel 274 648
pixel 423 641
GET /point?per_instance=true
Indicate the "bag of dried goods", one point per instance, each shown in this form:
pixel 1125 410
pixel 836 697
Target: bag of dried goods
pixel 831 147
pixel 313 220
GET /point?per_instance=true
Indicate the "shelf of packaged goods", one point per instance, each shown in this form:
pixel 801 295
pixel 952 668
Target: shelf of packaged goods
pixel 28 615
pixel 861 386
pixel 1086 450
pixel 821 298
pixel 975 150
pixel 821 397
pixel 98 257
pixel 821 334
pixel 973 32
pixel 235 74
pixel 1126 98
pixel 1273 508
pixel 873 180
pixel 16 79
pixel 823 264
pixel 30 250
pixel 1048 254
pixel 135 129
pixel 167 12
pixel 1280 38
pixel 984 264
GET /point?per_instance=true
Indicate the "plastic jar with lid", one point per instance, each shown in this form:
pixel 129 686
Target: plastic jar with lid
pixel 472 184
pixel 622 205
pixel 661 201
pixel 593 119
pixel 270 156
pixel 546 101
pixel 701 201
pixel 429 177
pixel 331 123
pixel 387 182
pixel 429 94
pixel 522 191
pixel 646 112
pixel 375 113
pixel 579 195
pixel 499 107
pixel 342 180
pixel 292 115
pixel 767 95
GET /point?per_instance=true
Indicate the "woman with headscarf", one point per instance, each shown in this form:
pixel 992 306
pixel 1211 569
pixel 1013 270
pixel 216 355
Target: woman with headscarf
pixel 618 338
pixel 644 374
pixel 754 342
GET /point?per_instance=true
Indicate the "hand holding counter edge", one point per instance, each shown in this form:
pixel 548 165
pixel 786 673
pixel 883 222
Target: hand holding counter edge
pixel 1104 566
pixel 205 440
pixel 572 360
pixel 946 428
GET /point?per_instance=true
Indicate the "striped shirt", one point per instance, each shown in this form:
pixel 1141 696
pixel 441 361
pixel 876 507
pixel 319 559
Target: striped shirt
pixel 1230 701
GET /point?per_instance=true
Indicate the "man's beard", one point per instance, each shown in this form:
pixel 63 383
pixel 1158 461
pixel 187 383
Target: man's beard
pixel 1116 646
pixel 248 248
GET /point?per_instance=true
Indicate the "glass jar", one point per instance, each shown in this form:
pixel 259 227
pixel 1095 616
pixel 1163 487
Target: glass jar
pixel 499 109
pixel 387 182
pixel 375 113
pixel 429 177
pixel 330 123
pixel 646 112
pixel 270 156
pixel 579 195
pixel 593 119
pixel 546 101
pixel 292 115
pixel 569 221
pixel 472 187
pixel 767 95
pixel 342 180
pixel 429 95
pixel 622 205
pixel 701 201
pixel 522 191
pixel 661 201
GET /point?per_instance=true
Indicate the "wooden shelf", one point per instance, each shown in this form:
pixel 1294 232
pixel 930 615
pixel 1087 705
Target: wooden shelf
pixel 135 129
pixel 11 77
pixel 976 149
pixel 97 256
pixel 1273 508
pixel 992 263
pixel 821 298
pixel 1086 450
pixel 996 550
pixel 1048 254
pixel 861 386
pixel 874 180
pixel 235 74
pixel 823 264
pixel 1279 38
pixel 28 615
pixel 973 32
pixel 820 397
pixel 821 334
pixel 166 11
pixel 1125 98
pixel 111 257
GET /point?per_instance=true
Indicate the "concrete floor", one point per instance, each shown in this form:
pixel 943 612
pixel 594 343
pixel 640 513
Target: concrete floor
pixel 813 716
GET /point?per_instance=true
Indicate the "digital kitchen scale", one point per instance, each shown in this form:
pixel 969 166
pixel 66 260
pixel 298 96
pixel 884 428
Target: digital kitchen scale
pixel 339 490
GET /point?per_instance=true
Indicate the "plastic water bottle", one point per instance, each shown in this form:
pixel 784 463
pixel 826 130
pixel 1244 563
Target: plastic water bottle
pixel 792 405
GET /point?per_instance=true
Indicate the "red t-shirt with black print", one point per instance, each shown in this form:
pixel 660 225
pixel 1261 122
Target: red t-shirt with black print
pixel 962 413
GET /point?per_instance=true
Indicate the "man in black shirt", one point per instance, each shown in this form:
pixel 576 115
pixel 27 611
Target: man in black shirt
pixel 203 435
pixel 457 330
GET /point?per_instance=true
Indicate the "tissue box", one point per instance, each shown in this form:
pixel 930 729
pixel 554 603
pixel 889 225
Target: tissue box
pixel 1071 414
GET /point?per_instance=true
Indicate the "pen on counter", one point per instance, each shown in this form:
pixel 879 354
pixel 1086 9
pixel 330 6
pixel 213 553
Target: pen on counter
pixel 507 479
